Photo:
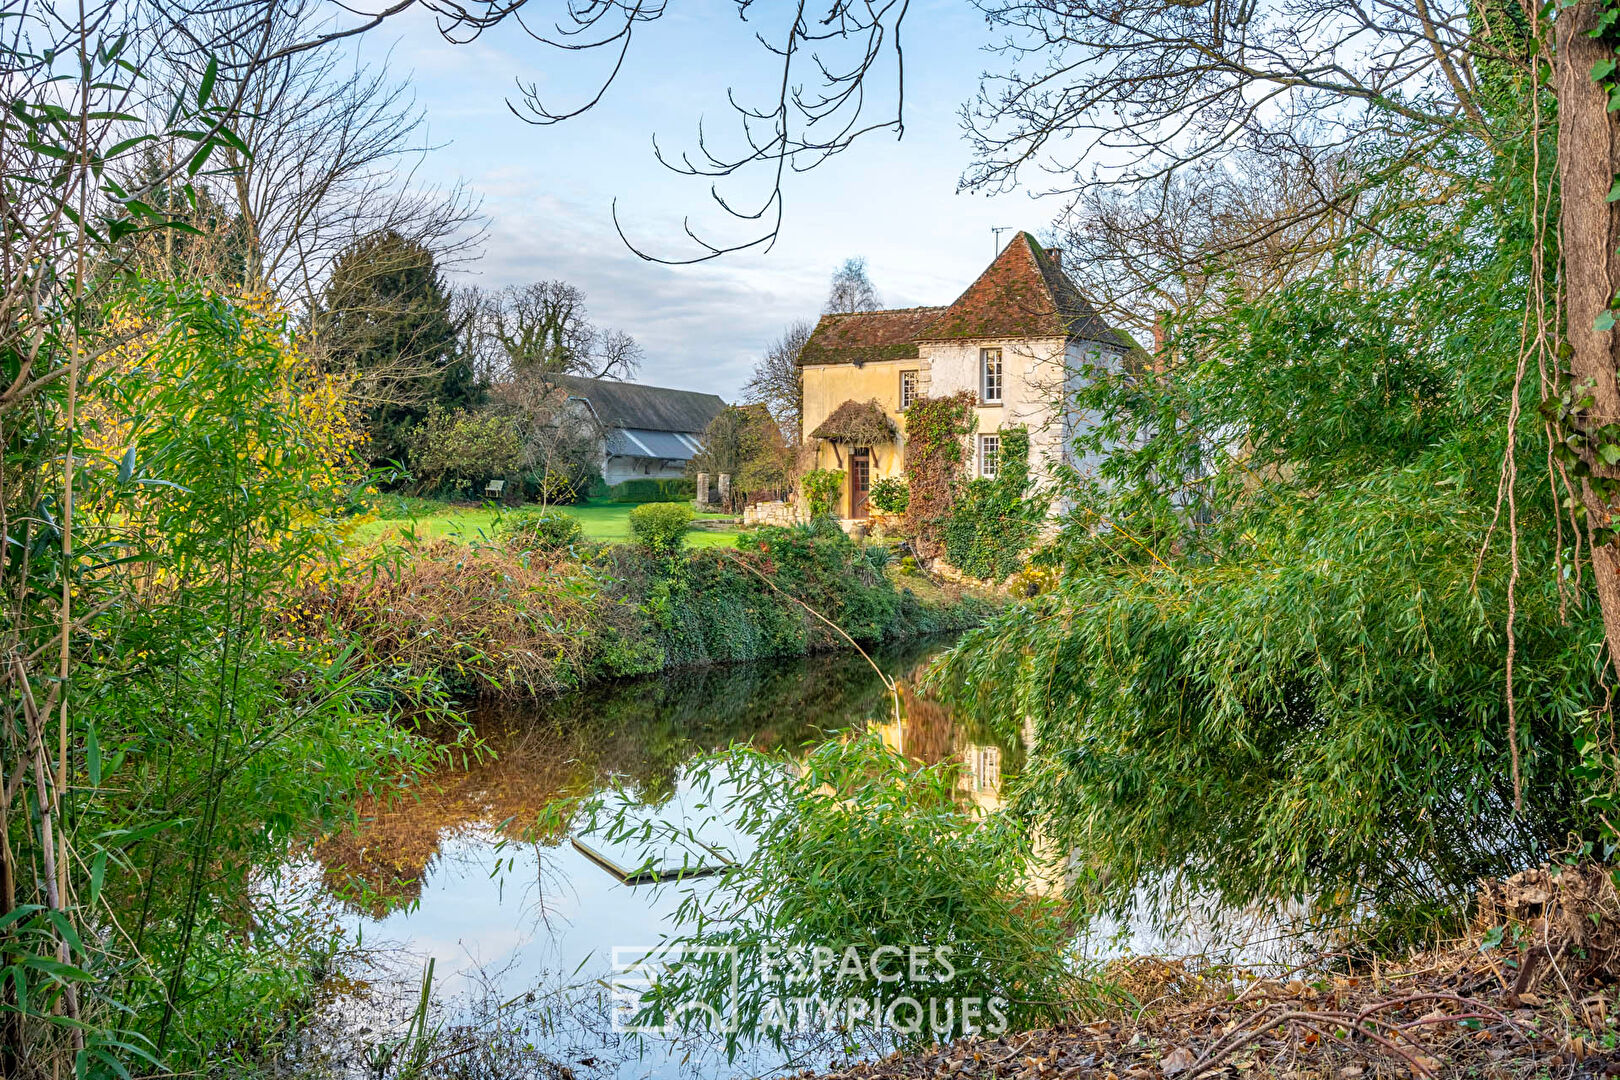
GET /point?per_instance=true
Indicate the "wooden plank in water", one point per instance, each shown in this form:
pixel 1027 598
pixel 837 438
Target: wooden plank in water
pixel 642 874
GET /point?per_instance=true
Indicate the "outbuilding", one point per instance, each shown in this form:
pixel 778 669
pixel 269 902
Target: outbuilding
pixel 645 431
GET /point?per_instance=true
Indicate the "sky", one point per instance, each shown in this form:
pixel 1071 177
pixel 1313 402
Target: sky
pixel 548 193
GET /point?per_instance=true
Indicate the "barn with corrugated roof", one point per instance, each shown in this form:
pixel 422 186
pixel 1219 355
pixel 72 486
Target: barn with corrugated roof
pixel 646 431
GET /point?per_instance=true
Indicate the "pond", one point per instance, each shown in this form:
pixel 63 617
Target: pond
pixel 519 923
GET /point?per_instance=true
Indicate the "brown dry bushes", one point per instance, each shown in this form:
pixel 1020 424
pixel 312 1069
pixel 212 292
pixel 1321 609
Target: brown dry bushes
pixel 1564 920
pixel 488 621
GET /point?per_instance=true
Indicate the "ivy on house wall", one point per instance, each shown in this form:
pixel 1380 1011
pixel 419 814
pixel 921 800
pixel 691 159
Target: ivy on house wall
pixel 936 453
pixel 994 521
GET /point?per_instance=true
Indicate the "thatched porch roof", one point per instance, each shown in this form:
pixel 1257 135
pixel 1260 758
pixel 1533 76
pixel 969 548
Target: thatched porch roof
pixel 857 423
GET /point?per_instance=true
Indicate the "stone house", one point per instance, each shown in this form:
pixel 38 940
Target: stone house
pixel 1018 339
pixel 643 431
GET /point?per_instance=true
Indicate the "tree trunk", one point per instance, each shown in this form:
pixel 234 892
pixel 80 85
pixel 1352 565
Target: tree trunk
pixel 1589 230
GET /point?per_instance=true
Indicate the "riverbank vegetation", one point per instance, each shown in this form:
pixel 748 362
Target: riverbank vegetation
pixel 538 611
pixel 197 744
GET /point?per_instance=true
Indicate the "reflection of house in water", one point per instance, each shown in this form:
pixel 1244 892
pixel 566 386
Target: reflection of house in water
pixel 984 767
pixel 980 781
pixel 930 732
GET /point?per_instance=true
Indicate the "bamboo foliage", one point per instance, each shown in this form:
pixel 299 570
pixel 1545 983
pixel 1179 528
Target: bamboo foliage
pixel 1276 666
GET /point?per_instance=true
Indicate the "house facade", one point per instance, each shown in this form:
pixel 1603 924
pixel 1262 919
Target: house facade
pixel 644 431
pixel 1018 339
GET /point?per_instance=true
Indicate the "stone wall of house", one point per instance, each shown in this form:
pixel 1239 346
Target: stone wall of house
pixel 1038 376
pixel 1032 378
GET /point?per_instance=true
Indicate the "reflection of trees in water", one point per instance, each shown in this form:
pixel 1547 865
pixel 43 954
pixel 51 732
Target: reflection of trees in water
pixel 638 733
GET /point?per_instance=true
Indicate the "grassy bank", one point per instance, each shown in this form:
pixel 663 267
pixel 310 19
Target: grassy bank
pixel 400 519
pixel 504 616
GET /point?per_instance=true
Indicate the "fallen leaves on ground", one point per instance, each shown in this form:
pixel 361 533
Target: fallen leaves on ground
pixel 1438 1023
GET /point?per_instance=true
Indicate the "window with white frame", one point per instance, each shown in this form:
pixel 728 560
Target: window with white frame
pixel 908 389
pixel 989 451
pixel 990 376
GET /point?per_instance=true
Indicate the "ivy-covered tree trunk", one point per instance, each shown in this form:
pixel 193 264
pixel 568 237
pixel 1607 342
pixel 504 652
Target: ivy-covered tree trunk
pixel 1589 227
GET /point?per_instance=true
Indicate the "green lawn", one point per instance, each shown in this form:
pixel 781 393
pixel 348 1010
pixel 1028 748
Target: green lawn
pixel 607 522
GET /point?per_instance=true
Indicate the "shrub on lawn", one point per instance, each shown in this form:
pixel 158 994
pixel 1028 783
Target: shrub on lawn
pixel 661 527
pixel 649 490
pixel 546 530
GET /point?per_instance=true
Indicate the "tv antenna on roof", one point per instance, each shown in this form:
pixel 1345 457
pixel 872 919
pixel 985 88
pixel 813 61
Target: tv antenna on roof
pixel 997 230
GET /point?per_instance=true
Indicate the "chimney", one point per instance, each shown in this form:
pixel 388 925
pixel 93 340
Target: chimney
pixel 1057 257
pixel 1161 338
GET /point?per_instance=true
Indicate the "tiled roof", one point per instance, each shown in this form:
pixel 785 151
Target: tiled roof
pixel 866 336
pixel 646 408
pixel 1023 294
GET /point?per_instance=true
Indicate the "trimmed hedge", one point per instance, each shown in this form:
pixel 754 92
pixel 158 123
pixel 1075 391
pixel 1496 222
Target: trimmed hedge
pixel 650 490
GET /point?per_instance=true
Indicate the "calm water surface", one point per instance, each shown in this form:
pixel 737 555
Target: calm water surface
pixel 520 925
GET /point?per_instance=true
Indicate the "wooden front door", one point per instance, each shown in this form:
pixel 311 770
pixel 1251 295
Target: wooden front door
pixel 860 480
